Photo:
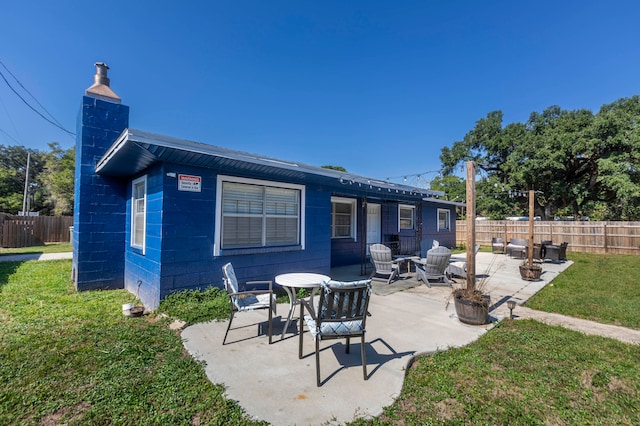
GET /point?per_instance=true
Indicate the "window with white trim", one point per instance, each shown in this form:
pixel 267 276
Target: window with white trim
pixel 139 213
pixel 444 220
pixel 257 213
pixel 405 216
pixel 343 217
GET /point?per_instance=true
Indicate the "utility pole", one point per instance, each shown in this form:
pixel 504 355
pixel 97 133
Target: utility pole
pixel 26 187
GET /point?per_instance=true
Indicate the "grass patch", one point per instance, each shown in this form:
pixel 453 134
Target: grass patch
pixel 73 358
pixel 522 373
pixel 194 306
pixel 602 288
pixel 47 248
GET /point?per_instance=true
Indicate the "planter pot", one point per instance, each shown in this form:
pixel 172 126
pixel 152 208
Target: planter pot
pixel 137 311
pixel 126 309
pixel 471 311
pixel 530 273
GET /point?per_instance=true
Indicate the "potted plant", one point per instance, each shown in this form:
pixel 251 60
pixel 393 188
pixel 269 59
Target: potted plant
pixel 472 305
pixel 530 271
pixel 470 301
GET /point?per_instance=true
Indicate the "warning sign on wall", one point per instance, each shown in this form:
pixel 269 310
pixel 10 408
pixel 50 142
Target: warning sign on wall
pixel 189 183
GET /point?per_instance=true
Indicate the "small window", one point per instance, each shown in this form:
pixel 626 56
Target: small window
pixel 444 220
pixel 343 218
pixel 405 217
pixel 139 213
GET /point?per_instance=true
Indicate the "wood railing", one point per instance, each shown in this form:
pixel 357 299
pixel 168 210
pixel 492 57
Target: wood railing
pixel 588 237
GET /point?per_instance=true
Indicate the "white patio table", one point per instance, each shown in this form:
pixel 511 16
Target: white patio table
pixel 294 281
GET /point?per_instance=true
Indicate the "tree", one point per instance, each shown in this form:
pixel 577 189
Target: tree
pixel 338 168
pixel 58 178
pixel 13 166
pixel 580 162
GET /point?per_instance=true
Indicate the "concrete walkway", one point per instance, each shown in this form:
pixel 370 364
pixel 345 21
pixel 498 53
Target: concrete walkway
pixel 35 256
pixel 272 384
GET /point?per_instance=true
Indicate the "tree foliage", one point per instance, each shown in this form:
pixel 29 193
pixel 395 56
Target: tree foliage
pixel 338 168
pixel 58 177
pixel 580 163
pixel 50 184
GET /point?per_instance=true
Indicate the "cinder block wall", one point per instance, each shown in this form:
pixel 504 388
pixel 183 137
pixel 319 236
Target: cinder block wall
pixel 100 203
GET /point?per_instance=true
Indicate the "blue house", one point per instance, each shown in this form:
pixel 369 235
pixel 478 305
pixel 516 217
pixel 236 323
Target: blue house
pixel 156 214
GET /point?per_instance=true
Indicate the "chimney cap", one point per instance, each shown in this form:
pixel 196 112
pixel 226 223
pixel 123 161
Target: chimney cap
pixel 101 85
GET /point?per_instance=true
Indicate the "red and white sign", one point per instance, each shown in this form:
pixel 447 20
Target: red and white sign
pixel 189 183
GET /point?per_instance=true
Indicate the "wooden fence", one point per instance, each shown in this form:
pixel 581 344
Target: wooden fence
pixel 21 231
pixel 588 237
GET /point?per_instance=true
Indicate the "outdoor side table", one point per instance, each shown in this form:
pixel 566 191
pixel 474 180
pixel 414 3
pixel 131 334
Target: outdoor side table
pixel 405 258
pixel 294 281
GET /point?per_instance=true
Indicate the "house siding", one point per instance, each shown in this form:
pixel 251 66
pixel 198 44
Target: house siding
pixel 180 239
pixel 180 225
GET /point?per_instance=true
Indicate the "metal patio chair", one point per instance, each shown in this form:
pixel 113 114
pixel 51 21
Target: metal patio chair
pixel 341 314
pixel 248 300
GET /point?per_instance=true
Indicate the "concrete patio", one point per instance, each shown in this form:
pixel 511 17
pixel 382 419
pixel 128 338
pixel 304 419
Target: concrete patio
pixel 408 319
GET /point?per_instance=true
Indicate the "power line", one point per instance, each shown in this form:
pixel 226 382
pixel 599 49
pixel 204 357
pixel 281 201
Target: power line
pixel 30 94
pixel 54 123
pixel 9 136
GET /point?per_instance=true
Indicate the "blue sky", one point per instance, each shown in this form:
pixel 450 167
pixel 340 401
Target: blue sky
pixel 376 87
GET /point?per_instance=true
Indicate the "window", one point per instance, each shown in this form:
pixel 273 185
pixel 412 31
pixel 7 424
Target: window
pixel 256 213
pixel 343 217
pixel 444 220
pixel 138 213
pixel 405 217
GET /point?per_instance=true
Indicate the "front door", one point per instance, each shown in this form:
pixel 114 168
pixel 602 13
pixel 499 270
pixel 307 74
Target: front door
pixel 374 225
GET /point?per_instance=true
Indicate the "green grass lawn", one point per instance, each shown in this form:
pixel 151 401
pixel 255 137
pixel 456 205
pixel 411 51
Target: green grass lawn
pixel 47 248
pixel 602 288
pixel 72 358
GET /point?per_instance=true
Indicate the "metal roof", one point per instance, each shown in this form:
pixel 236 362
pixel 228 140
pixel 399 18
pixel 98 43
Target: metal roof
pixel 135 151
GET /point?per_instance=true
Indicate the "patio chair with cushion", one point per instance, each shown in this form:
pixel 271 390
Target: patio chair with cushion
pixel 517 247
pixel 459 267
pixel 556 253
pixel 383 263
pixel 341 314
pixel 497 245
pixel 433 268
pixel 248 300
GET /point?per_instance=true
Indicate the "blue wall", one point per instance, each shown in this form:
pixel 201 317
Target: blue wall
pixel 348 251
pixel 180 238
pixel 99 205
pixel 430 224
pixel 180 225
pixel 143 271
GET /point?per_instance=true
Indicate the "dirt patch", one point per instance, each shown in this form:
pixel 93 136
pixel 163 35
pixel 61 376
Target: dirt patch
pixel 66 414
